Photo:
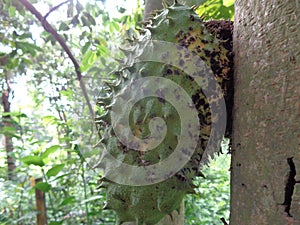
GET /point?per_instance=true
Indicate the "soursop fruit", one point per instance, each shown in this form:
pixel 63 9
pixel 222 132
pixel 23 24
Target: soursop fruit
pixel 128 124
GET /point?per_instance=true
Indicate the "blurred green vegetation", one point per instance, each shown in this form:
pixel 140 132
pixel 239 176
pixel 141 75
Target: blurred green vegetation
pixel 211 203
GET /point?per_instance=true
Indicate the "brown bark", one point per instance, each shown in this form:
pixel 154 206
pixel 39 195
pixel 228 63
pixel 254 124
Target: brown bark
pixel 41 217
pixel 266 131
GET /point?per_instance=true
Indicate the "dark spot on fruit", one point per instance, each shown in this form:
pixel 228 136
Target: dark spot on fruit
pixel 187 56
pixel 181 63
pixel 169 71
pixel 207 53
pixel 176 72
pixel 192 39
pixel 199 50
pixel 180 33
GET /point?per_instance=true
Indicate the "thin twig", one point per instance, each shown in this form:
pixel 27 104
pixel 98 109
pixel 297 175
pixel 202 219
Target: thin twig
pixel 224 221
pixel 63 44
pixel 55 8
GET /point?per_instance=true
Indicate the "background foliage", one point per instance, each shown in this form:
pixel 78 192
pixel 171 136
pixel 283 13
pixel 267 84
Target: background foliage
pixel 49 123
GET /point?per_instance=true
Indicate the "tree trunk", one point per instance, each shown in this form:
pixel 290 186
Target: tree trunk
pixel 266 129
pixel 7 122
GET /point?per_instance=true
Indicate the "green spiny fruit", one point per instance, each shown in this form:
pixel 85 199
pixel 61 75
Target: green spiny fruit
pixel 148 204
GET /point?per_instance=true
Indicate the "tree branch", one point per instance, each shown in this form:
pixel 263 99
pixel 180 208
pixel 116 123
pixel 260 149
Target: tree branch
pixel 224 221
pixel 48 27
pixel 55 8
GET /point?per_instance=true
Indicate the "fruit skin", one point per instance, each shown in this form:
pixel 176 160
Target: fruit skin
pixel 149 204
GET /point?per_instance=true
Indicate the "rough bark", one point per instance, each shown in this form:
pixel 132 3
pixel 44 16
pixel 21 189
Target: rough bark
pixel 266 131
pixel 40 201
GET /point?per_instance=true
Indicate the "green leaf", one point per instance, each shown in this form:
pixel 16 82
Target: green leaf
pixel 25 35
pixel 43 186
pixel 103 51
pixel 116 25
pixel 217 9
pixel 90 18
pixel 27 47
pixel 68 93
pixel 69 200
pixel 121 9
pixel 85 21
pixel 92 199
pixel 55 170
pixel 63 27
pixel 12 11
pixel 27 61
pixel 50 120
pixel 85 47
pixel 75 20
pixel 95 70
pixel 79 7
pixel 228 2
pixel 88 60
pixel 34 160
pixel 10 131
pixel 49 151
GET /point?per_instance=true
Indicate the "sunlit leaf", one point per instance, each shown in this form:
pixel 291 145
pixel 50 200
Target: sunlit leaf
pixel 102 50
pixel 10 131
pixel 55 170
pixel 69 200
pixel 12 11
pixel 217 9
pixel 85 47
pixel 49 151
pixel 94 198
pixel 68 93
pixel 33 160
pixel 88 60
pixel 50 120
pixel 43 186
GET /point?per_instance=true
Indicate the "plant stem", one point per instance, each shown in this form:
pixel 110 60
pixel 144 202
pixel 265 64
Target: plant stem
pixel 49 196
pixel 85 193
